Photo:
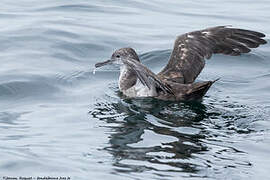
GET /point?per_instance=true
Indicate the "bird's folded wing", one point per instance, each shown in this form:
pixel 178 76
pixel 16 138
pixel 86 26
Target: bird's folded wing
pixel 147 77
pixel 190 50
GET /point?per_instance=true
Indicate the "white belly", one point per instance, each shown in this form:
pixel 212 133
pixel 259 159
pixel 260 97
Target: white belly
pixel 139 90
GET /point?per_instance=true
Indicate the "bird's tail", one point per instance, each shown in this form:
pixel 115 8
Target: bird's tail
pixel 199 89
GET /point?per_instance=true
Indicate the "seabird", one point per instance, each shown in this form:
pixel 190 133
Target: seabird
pixel 176 80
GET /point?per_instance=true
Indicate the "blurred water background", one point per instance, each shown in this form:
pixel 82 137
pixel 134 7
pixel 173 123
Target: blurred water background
pixel 58 119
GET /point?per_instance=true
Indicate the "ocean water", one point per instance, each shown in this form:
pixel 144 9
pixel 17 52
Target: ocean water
pixel 59 119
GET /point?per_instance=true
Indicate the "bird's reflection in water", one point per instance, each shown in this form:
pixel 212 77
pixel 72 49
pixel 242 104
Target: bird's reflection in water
pixel 148 134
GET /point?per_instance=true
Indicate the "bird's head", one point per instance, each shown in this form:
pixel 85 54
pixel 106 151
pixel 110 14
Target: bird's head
pixel 118 56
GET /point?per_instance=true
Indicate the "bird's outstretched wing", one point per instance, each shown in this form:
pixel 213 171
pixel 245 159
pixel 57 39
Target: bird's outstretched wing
pixel 190 50
pixel 147 77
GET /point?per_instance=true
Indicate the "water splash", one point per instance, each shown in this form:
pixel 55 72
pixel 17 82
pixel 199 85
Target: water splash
pixel 94 71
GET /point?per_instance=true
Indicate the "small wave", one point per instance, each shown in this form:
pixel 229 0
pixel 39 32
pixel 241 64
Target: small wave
pixel 263 76
pixel 85 8
pixel 70 7
pixel 76 51
pixel 32 88
pixel 72 78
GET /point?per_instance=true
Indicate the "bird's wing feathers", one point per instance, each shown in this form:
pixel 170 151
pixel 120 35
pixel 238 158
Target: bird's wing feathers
pixel 147 77
pixel 190 50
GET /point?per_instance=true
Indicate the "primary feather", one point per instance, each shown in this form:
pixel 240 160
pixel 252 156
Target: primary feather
pixel 191 49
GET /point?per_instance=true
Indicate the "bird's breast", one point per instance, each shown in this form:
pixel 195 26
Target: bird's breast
pixel 139 90
pixel 131 86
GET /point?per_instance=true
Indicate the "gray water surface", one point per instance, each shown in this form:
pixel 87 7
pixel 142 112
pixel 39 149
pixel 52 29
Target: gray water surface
pixel 58 119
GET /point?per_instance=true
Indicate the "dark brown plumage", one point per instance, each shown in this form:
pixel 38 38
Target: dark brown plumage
pixel 190 49
pixel 176 80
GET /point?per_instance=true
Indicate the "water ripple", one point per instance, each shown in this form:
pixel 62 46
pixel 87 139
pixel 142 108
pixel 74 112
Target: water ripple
pixel 181 140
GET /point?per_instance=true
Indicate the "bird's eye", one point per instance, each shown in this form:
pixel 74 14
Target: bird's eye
pixel 118 56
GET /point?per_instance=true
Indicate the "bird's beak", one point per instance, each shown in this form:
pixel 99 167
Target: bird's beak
pixel 97 65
